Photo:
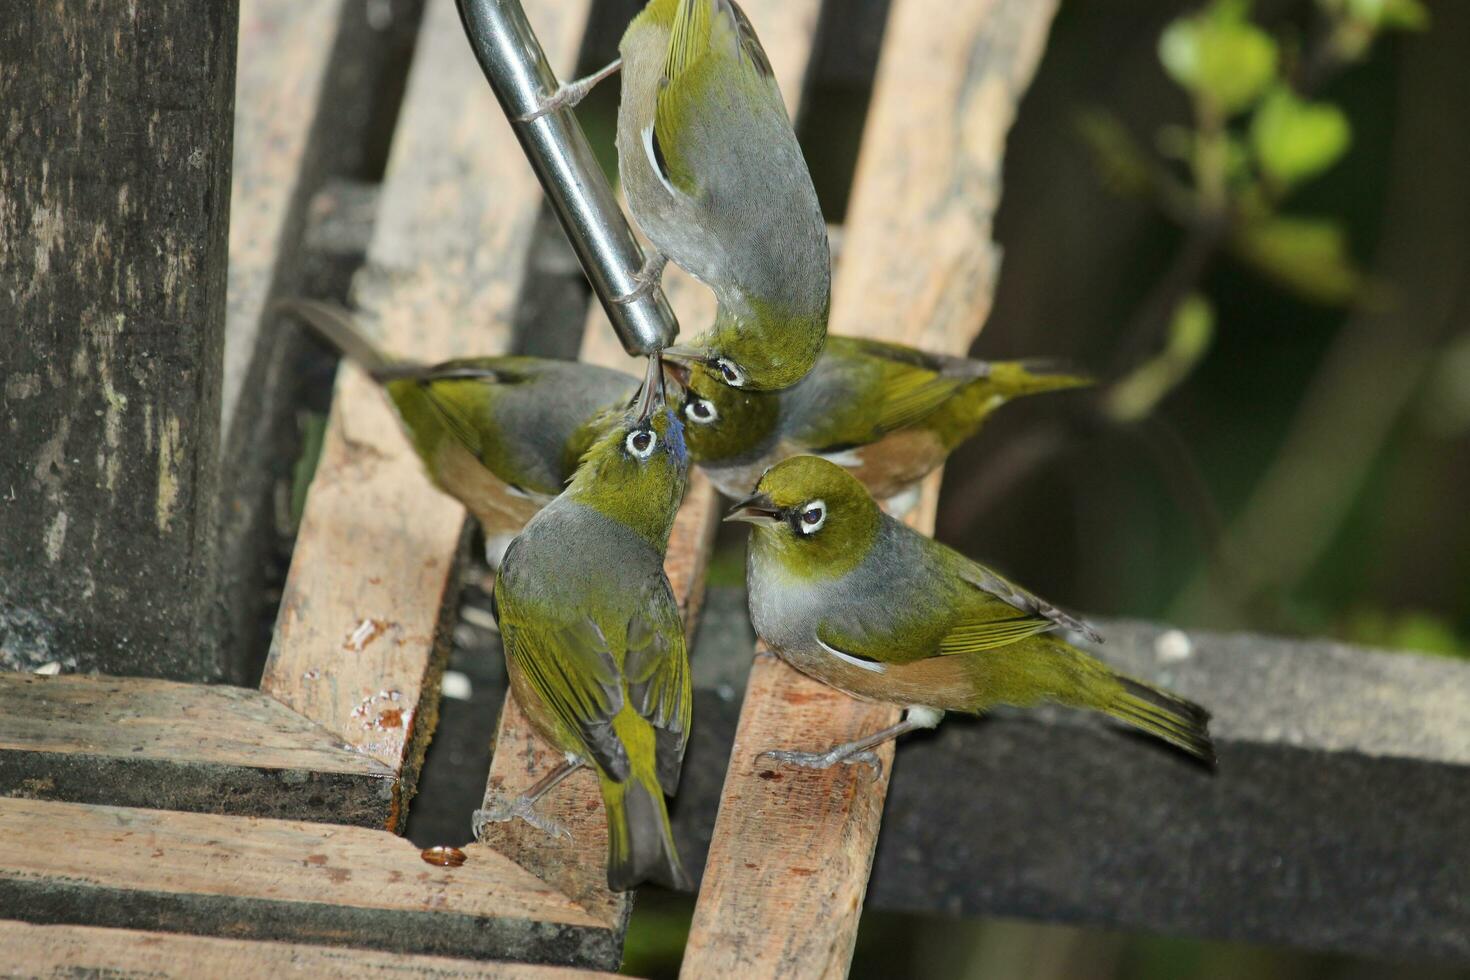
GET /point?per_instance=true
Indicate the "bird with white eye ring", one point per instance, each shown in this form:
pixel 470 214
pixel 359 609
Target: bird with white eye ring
pixel 866 604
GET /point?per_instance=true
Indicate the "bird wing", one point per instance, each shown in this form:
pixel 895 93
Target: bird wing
pixel 660 685
pixel 705 38
pixel 570 666
pixel 999 591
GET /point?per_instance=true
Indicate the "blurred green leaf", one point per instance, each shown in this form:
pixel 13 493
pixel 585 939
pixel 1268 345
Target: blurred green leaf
pixel 1307 255
pixel 1407 15
pixel 1190 332
pixel 313 437
pixel 1421 632
pixel 1122 163
pixel 1220 56
pixel 1295 139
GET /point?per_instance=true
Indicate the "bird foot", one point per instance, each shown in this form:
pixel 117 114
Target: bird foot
pixel 568 94
pixel 825 760
pixel 646 278
pixel 501 811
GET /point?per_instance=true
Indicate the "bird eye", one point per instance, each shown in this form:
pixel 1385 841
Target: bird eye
pixel 641 443
pixel 812 517
pixel 734 377
pixel 701 410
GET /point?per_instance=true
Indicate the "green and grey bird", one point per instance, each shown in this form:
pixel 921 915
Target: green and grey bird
pixel 714 177
pixel 594 646
pixel 864 603
pixel 502 435
pixel 890 414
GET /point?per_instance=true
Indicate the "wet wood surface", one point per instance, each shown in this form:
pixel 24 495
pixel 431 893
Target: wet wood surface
pixel 136 741
pixel 578 865
pixel 56 952
pixel 792 849
pixel 252 878
pixel 359 645
pixel 114 215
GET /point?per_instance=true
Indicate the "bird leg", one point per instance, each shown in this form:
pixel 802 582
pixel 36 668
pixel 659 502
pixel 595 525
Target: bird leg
pixel 568 94
pixel 859 750
pixel 500 810
pixel 646 278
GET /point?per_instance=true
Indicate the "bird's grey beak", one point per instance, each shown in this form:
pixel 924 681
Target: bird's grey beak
pixel 651 395
pixel 679 371
pixel 755 509
pixel 684 354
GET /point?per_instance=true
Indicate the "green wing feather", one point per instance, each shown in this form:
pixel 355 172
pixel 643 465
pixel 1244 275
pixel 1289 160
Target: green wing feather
pixel 712 49
pixel 660 686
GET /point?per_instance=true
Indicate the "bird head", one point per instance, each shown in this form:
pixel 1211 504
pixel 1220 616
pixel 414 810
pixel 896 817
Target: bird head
pixel 637 470
pixel 724 423
pixel 812 514
pixel 761 352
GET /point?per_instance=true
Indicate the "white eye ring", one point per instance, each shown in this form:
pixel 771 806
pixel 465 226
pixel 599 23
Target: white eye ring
pixel 730 372
pixel 637 436
pixel 697 405
pixel 806 523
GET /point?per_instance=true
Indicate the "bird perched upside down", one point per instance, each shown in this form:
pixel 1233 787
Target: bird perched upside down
pixel 866 604
pixel 890 414
pixel 594 646
pixel 502 435
pixel 714 177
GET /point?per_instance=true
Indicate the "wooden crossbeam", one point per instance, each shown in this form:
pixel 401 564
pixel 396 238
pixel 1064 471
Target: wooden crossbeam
pixel 789 861
pixel 577 865
pixel 252 878
pixel 135 741
pixel 358 645
pixel 73 951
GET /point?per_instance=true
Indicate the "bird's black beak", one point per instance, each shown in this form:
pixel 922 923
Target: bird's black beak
pixel 679 371
pixel 755 509
pixel 651 395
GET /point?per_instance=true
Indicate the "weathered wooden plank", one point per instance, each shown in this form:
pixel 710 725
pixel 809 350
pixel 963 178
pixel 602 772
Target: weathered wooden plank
pixel 250 878
pixel 73 951
pixel 789 861
pixel 132 741
pixel 358 646
pixel 114 209
pixel 577 865
pixel 315 87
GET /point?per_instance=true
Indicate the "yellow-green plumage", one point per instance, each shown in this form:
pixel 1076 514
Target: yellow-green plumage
pixel 889 413
pixel 500 434
pixel 593 642
pixel 866 604
pixel 715 179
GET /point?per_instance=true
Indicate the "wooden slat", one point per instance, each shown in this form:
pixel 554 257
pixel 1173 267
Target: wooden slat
pixel 788 865
pixel 578 866
pixel 250 878
pixel 315 84
pixel 133 741
pixel 72 951
pixel 358 642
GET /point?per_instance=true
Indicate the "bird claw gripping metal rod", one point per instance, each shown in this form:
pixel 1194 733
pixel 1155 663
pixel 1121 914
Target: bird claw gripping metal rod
pixel 580 195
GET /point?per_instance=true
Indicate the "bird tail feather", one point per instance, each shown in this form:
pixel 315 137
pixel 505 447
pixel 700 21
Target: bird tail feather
pixel 1017 379
pixel 1179 722
pixel 640 842
pixel 336 326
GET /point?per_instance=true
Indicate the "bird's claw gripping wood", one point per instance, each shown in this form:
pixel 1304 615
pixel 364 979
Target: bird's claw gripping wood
pixel 569 94
pixel 524 807
pixel 848 754
pixel 647 278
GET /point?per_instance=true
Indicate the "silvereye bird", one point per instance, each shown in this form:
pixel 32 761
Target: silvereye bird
pixel 890 414
pixel 715 178
pixel 862 602
pixel 593 642
pixel 501 435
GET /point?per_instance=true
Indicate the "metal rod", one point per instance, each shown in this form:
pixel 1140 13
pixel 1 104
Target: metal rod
pixel 522 80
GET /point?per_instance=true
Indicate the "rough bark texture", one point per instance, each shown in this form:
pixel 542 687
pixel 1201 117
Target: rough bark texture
pixel 114 214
